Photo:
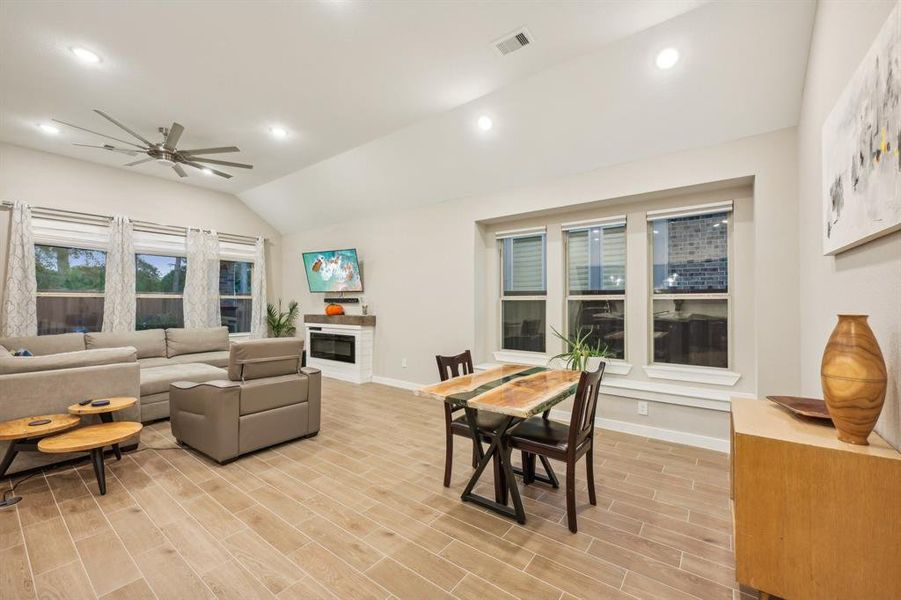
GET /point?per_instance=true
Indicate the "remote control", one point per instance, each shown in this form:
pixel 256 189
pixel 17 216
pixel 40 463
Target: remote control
pixel 100 403
pixel 84 402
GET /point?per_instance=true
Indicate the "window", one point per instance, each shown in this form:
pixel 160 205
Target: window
pixel 596 285
pixel 523 292
pixel 690 297
pixel 234 294
pixel 159 286
pixel 70 289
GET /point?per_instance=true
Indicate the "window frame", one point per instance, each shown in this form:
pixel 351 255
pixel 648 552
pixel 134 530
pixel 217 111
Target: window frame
pixel 727 296
pixel 623 296
pixel 502 297
pixel 237 296
pixel 72 294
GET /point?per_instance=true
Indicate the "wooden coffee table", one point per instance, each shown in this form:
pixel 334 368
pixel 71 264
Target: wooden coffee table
pixel 105 412
pixel 92 438
pixel 24 437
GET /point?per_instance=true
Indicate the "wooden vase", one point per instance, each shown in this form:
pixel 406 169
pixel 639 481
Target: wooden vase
pixel 854 378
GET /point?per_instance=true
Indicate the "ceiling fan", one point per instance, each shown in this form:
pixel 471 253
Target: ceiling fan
pixel 164 152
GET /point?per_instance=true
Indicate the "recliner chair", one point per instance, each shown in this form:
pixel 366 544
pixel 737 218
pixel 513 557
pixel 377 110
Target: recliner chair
pixel 269 398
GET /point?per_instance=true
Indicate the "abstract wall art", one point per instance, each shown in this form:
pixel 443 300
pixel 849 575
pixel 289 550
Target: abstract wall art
pixel 861 143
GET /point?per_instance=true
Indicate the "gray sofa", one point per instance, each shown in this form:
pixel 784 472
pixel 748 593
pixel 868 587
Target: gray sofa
pixel 70 367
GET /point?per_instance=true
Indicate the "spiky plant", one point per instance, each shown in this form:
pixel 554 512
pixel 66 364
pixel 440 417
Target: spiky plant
pixel 281 324
pixel 579 350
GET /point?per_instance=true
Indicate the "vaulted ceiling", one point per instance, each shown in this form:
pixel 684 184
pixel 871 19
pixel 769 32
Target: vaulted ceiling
pixel 380 99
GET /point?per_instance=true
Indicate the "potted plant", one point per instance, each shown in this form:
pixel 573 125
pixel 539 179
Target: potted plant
pixel 581 355
pixel 281 324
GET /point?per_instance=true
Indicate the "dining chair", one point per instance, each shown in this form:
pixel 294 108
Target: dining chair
pixel 455 366
pixel 566 443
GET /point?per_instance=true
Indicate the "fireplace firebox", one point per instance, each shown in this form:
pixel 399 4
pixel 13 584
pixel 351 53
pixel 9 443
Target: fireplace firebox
pixel 332 346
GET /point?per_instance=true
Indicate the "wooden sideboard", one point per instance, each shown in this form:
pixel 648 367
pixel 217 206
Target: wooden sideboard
pixel 815 518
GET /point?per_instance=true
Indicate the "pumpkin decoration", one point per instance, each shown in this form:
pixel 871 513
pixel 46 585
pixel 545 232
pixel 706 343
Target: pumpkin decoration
pixel 333 310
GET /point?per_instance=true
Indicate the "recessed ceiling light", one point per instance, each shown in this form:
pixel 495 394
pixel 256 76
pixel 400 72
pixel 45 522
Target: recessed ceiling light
pixel 278 132
pixel 485 123
pixel 667 58
pixel 49 129
pixel 206 171
pixel 85 55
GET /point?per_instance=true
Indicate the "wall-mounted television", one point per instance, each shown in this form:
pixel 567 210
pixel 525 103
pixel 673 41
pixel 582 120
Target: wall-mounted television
pixel 333 271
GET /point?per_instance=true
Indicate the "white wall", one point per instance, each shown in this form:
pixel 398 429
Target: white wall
pixel 866 279
pixel 53 181
pixel 423 268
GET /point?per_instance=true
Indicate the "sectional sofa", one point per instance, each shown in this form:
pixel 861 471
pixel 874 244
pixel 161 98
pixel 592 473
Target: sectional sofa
pixel 70 367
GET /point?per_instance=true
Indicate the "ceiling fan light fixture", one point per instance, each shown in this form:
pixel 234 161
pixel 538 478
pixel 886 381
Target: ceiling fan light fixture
pixel 85 55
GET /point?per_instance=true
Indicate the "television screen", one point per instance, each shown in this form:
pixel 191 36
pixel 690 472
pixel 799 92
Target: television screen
pixel 333 271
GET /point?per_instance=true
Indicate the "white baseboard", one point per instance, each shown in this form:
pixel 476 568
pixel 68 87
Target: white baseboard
pixel 398 383
pixel 657 433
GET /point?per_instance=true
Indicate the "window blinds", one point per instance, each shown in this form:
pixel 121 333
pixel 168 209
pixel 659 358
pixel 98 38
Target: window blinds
pixel 524 266
pixel 690 211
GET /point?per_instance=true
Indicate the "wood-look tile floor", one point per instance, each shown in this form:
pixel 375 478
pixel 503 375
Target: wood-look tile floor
pixel 360 512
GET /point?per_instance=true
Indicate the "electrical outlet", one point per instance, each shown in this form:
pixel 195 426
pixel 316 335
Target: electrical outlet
pixel 642 408
pixel 403 363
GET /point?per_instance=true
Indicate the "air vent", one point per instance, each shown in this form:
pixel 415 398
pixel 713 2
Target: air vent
pixel 513 41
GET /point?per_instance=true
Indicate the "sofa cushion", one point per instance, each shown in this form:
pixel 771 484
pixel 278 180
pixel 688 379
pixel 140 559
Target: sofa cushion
pixel 258 359
pixel 149 343
pixel 66 360
pixel 217 359
pixel 157 379
pixel 191 341
pixel 40 345
pixel 4 352
pixel 273 392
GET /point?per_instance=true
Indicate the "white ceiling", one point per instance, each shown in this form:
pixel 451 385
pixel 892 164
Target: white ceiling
pixel 335 73
pixel 741 73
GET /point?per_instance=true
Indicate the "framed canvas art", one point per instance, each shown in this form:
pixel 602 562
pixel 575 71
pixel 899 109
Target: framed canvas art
pixel 861 143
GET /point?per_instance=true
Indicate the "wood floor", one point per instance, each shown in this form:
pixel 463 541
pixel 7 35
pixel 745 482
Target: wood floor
pixel 360 512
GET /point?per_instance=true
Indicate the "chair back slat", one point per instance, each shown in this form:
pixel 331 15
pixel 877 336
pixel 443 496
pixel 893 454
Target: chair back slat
pixel 581 423
pixel 454 366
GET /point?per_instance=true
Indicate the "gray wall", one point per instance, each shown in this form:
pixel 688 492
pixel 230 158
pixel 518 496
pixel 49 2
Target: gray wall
pixel 866 279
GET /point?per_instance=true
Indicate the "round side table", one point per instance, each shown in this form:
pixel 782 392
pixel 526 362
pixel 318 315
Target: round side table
pixel 23 436
pixel 91 438
pixel 105 412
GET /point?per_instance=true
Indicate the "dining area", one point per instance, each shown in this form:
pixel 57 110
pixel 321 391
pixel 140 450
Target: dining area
pixel 506 409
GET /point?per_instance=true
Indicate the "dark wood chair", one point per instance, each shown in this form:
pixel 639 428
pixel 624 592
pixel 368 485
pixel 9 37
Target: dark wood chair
pixel 454 366
pixel 566 443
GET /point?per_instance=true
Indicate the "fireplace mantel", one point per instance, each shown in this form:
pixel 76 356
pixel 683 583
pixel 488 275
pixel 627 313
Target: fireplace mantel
pixel 360 320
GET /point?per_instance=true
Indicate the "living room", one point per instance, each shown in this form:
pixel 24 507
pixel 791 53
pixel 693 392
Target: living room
pixel 653 247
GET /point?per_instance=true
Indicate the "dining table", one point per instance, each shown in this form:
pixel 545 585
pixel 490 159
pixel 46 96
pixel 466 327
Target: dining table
pixel 517 392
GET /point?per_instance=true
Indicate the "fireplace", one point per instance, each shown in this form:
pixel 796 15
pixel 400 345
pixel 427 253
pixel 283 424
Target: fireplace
pixel 333 346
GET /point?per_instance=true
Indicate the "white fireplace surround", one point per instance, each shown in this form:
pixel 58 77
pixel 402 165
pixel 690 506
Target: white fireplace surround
pixel 360 371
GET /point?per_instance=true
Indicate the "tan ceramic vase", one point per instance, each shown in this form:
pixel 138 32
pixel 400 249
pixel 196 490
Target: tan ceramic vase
pixel 854 378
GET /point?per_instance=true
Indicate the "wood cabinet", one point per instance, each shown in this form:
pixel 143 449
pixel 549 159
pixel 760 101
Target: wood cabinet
pixel 815 518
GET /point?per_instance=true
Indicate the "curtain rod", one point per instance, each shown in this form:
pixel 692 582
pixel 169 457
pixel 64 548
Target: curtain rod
pixel 62 214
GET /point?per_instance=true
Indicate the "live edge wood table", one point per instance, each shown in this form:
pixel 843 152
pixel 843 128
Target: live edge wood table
pixel 92 438
pixel 517 392
pixel 815 518
pixel 105 412
pixel 24 434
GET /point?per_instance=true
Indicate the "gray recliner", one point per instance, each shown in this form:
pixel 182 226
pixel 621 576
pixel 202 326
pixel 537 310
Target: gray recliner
pixel 269 398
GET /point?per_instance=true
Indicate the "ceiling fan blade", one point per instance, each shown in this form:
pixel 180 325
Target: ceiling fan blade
pixel 224 163
pixel 98 133
pixel 138 162
pixel 121 126
pixel 178 169
pixel 211 150
pixel 110 148
pixel 174 133
pixel 200 167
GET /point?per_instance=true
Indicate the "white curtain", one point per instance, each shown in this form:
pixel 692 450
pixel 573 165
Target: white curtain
pixel 258 327
pixel 119 288
pixel 201 296
pixel 19 314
